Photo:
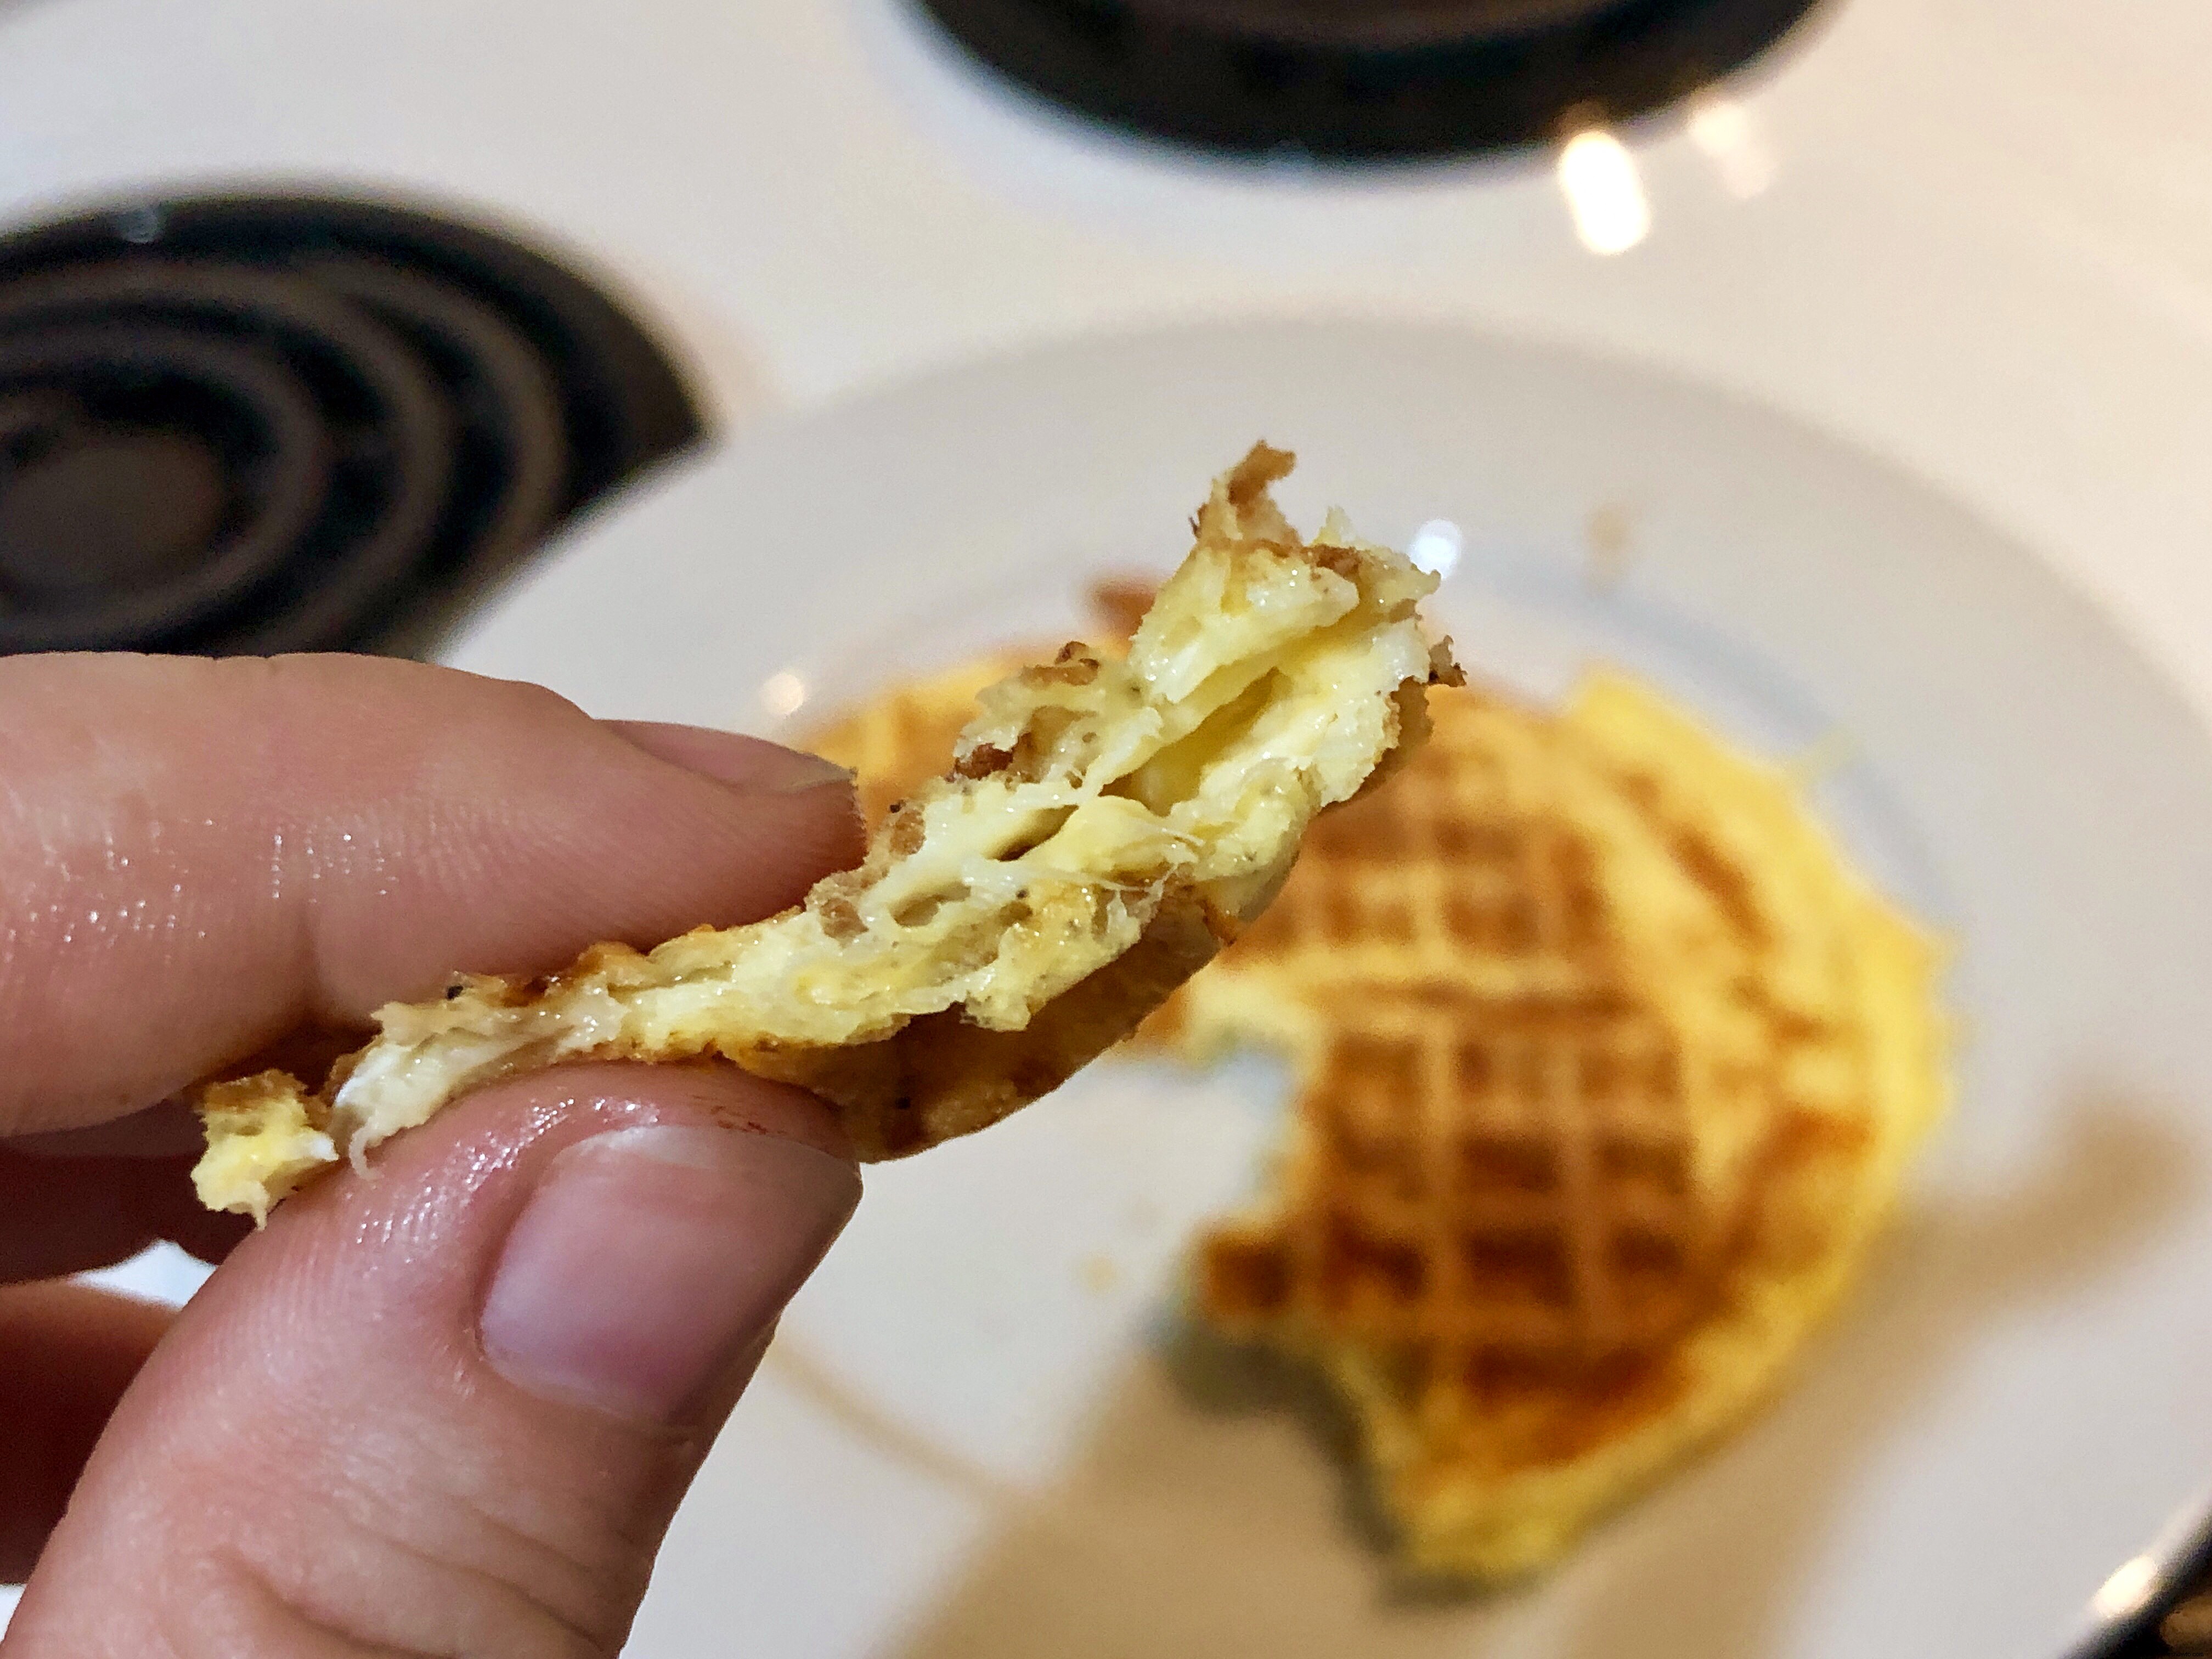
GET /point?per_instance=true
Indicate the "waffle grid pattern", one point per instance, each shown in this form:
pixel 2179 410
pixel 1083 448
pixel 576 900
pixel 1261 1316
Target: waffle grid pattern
pixel 1503 1182
pixel 1534 1210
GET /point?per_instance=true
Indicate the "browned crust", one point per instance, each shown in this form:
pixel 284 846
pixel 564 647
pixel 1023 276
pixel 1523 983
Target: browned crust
pixel 1263 466
pixel 1409 729
pixel 941 1076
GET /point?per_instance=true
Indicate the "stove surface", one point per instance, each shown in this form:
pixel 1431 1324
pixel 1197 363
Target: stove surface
pixel 1968 236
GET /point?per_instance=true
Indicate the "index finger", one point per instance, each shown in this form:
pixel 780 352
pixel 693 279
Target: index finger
pixel 197 857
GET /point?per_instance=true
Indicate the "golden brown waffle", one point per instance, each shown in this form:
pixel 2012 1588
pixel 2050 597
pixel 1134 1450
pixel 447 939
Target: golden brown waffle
pixel 1534 1212
pixel 1499 1125
pixel 1608 1069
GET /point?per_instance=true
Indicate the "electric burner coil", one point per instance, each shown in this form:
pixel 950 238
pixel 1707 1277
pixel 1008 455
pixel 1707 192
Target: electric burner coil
pixel 291 424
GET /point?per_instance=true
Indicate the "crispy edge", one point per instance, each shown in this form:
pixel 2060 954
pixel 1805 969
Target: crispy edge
pixel 941 1076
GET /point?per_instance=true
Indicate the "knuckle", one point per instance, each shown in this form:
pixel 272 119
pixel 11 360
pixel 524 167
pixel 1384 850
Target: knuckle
pixel 360 1585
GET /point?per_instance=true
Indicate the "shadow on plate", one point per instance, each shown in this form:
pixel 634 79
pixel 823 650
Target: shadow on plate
pixel 1198 1517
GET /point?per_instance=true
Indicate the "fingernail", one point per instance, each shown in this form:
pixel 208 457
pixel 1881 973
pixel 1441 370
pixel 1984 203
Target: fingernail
pixel 651 1260
pixel 797 771
pixel 751 765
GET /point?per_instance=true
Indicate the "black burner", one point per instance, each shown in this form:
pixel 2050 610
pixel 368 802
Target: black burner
pixel 1366 78
pixel 288 423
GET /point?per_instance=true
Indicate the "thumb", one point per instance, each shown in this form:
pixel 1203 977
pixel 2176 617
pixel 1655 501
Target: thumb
pixel 449 1408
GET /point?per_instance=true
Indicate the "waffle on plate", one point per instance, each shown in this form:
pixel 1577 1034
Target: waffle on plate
pixel 1608 1069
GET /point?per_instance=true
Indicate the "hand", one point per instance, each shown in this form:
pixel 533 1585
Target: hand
pixel 448 1409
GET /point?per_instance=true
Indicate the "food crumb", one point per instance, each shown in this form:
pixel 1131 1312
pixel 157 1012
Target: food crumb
pixel 1100 1274
pixel 1609 533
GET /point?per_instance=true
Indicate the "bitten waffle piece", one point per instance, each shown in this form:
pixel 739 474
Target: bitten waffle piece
pixel 1106 827
pixel 1609 1071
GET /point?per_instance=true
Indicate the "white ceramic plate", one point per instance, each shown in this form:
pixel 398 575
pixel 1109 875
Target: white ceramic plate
pixel 966 1444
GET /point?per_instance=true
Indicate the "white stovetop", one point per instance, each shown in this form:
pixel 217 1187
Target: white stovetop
pixel 1983 246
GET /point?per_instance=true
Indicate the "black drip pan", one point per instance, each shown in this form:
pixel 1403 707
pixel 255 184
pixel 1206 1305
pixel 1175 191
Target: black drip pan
pixel 1365 79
